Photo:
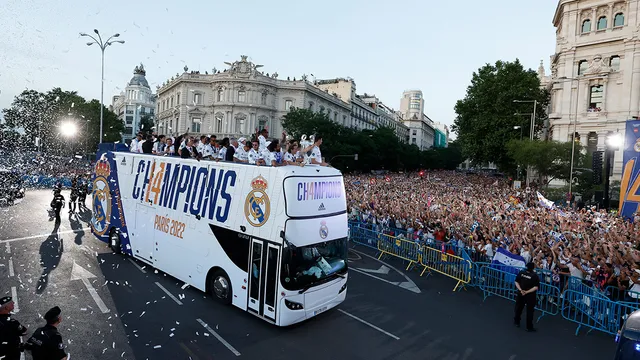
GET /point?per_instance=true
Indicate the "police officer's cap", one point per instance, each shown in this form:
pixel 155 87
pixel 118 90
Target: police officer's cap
pixel 52 314
pixel 5 300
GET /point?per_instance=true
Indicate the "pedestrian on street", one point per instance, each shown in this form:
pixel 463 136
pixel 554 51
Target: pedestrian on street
pixel 57 203
pixel 10 331
pixel 46 342
pixel 527 282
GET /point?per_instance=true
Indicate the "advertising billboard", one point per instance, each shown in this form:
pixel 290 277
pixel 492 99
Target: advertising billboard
pixel 630 182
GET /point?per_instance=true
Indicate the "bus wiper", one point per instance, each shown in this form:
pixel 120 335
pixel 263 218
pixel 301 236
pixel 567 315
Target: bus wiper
pixel 309 286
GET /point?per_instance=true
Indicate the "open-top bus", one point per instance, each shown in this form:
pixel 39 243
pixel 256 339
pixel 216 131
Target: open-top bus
pixel 269 240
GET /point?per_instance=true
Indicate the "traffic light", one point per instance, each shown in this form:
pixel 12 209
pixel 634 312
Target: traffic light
pixel 596 166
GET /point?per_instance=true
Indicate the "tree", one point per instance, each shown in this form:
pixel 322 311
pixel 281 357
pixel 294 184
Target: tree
pixel 377 149
pixel 40 115
pixel 485 118
pixel 550 159
pixel 146 124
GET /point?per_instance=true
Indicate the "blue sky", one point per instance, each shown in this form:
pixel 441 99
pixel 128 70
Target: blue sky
pixel 386 46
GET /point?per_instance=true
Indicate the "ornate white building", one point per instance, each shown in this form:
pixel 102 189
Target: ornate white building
pixel 134 102
pixel 421 127
pixel 238 101
pixel 595 71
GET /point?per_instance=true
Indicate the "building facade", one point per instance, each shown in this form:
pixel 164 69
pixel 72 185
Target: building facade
pixel 442 135
pixel 238 101
pixel 595 72
pixel 420 126
pixel 134 103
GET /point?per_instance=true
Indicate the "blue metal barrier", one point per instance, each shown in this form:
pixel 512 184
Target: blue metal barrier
pixel 363 236
pixel 502 283
pixel 594 312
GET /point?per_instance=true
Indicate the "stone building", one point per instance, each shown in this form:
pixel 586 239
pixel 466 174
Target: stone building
pixel 238 101
pixel 595 72
pixel 134 103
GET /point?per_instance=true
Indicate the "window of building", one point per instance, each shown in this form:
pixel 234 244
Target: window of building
pixel 614 63
pixel 170 125
pixel 618 20
pixel 321 109
pixel 220 95
pixel 335 116
pixel 602 23
pixel 242 96
pixel 128 118
pixel 263 99
pixel 178 99
pixel 171 102
pixel 596 98
pixel 413 140
pixel 583 65
pixel 197 98
pixel 262 123
pixel 415 132
pixel 218 118
pixel 586 26
pixel 414 106
pixel 310 105
pixel 287 105
pixel 195 125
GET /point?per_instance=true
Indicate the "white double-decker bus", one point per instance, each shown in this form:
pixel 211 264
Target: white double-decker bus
pixel 270 240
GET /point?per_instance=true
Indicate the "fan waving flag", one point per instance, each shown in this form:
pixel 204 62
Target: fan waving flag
pixel 504 257
pixel 544 202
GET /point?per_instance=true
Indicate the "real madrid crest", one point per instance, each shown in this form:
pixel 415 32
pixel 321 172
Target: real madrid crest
pixel 324 230
pixel 257 206
pixel 636 146
pixel 101 198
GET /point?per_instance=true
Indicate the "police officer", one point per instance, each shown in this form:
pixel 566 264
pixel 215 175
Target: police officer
pixel 57 203
pixel 10 331
pixel 527 283
pixel 46 342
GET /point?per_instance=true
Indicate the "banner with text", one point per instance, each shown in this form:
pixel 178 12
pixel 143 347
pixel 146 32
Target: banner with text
pixel 630 182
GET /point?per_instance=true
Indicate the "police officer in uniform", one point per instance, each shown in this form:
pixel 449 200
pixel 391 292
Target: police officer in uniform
pixel 527 283
pixel 57 203
pixel 10 331
pixel 46 342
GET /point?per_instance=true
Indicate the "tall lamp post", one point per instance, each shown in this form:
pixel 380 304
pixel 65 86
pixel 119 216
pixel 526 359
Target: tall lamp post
pixel 531 132
pixel 103 46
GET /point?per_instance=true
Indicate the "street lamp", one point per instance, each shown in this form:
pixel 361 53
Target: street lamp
pixel 613 143
pixel 103 45
pixel 518 127
pixel 531 136
pixel 533 116
pixel 68 129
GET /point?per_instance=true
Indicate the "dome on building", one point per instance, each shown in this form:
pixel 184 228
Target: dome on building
pixel 139 77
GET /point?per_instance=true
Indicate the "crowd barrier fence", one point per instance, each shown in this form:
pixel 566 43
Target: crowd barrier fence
pixel 595 312
pixel 577 300
pixel 446 264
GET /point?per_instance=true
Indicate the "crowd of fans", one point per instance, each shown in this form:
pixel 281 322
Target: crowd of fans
pixel 259 151
pixel 32 163
pixel 481 214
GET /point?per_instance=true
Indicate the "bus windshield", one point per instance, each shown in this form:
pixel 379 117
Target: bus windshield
pixel 313 264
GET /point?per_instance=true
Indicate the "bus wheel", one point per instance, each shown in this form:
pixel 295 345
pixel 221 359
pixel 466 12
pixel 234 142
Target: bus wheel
pixel 114 241
pixel 221 287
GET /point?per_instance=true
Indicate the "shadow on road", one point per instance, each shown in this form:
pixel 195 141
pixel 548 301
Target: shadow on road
pixel 50 252
pixel 76 226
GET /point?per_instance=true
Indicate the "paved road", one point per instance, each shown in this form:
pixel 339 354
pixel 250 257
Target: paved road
pixel 116 308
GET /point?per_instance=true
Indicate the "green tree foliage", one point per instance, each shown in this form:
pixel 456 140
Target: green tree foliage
pixel 485 117
pixel 40 115
pixel 146 124
pixel 377 149
pixel 550 159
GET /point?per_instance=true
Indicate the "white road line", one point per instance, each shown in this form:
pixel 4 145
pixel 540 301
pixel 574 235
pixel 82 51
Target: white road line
pixel 44 235
pixel 14 297
pixel 11 273
pixel 22 353
pixel 223 341
pixel 369 324
pixel 79 273
pixel 169 294
pixel 8 248
pixel 138 266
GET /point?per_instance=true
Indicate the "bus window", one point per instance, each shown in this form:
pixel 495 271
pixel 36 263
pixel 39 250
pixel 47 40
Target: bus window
pixel 305 265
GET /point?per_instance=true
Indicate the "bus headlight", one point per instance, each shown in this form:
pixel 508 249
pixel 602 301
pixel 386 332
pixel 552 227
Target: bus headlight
pixel 293 305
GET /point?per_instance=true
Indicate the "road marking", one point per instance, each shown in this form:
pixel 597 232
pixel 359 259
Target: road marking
pixel 192 356
pixel 383 270
pixel 408 285
pixel 8 248
pixel 369 324
pixel 11 267
pixel 79 273
pixel 44 235
pixel 512 357
pixel 14 297
pixel 223 341
pixel 22 353
pixel 169 294
pixel 138 266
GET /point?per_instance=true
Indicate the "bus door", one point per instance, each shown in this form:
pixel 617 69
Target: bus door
pixel 263 278
pixel 142 236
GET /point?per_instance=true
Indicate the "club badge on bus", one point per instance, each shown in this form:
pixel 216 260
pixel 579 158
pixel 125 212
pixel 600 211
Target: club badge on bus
pixel 257 206
pixel 101 198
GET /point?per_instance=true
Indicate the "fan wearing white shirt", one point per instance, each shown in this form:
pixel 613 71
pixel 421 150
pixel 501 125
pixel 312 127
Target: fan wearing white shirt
pixel 203 142
pixel 316 155
pixel 242 153
pixel 252 155
pixel 270 154
pixel 262 140
pixel 136 146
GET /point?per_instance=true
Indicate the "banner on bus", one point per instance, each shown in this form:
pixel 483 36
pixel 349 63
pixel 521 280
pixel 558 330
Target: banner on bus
pixel 314 196
pixel 630 182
